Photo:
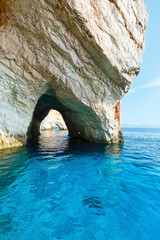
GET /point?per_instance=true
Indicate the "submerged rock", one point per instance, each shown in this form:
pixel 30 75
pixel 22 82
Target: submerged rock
pixel 77 57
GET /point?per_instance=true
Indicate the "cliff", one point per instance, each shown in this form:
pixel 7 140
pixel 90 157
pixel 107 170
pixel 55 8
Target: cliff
pixel 77 57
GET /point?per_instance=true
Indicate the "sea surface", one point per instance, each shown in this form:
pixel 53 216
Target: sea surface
pixel 62 188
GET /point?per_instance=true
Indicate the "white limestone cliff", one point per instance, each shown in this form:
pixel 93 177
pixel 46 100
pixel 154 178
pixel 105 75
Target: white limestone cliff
pixel 77 57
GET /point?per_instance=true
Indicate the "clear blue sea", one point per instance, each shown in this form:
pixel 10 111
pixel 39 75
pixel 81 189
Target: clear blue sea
pixel 69 189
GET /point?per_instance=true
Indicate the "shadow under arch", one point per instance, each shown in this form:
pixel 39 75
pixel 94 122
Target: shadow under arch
pixel 43 106
pixel 81 120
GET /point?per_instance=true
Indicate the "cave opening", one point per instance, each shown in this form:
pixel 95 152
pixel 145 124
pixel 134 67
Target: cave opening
pixel 48 114
pixel 53 121
pixel 80 120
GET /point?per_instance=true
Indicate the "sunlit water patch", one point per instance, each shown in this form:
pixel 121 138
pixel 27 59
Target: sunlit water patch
pixel 68 189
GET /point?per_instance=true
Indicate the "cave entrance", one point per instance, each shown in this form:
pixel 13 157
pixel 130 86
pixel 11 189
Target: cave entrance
pixel 80 120
pixel 53 120
pixel 48 114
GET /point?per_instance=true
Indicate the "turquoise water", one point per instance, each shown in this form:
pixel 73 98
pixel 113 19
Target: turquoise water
pixel 69 189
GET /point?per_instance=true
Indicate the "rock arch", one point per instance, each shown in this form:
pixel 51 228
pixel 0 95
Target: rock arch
pixel 52 120
pixel 43 106
pixel 81 120
pixel 79 55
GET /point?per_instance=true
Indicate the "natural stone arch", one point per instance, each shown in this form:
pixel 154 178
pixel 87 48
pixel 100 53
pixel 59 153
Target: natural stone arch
pixel 83 54
pixel 52 120
pixel 43 106
pixel 81 120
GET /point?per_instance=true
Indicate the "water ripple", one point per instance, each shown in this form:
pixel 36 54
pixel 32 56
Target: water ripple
pixel 59 188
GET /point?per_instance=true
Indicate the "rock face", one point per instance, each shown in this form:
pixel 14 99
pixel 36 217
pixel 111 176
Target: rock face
pixel 77 57
pixel 51 120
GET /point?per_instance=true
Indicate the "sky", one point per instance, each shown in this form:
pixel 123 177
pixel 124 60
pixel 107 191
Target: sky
pixel 141 106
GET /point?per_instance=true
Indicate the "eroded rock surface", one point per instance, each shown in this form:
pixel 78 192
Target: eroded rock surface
pixel 81 56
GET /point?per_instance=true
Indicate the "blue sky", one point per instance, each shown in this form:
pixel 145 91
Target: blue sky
pixel 142 104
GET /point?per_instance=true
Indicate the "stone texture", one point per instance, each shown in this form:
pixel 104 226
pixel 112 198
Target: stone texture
pixel 83 55
pixel 51 120
pixel 6 141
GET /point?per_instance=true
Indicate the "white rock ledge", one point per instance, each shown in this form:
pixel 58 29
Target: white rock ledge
pixel 77 57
